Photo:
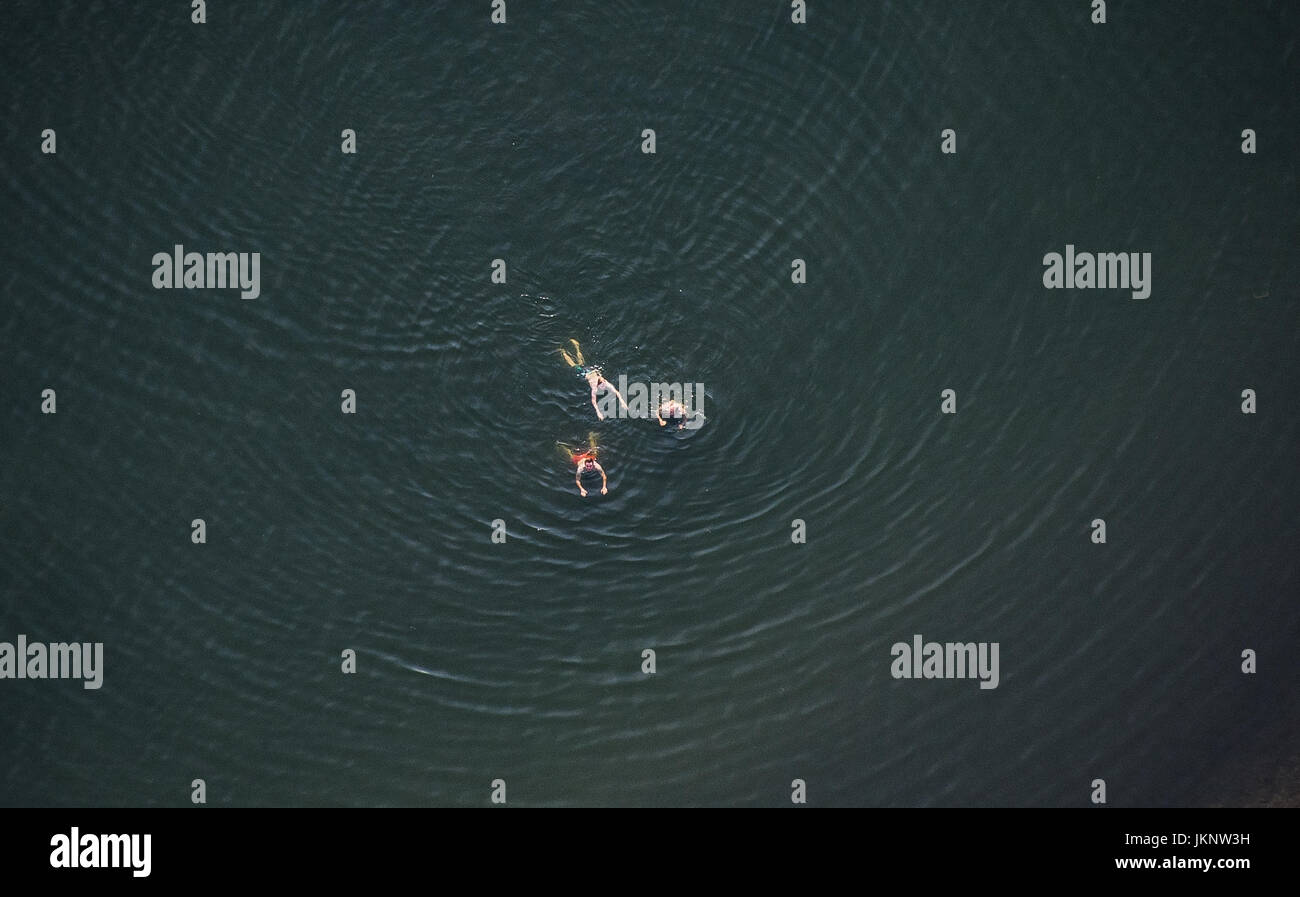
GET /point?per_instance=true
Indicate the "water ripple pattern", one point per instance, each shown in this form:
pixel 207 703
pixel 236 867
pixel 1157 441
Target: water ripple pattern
pixel 522 661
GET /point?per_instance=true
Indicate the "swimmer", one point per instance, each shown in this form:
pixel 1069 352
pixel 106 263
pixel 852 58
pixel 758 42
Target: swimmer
pixel 592 376
pixel 670 409
pixel 585 459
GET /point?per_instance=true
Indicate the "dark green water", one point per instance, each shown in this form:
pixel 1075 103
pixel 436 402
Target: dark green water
pixel 522 661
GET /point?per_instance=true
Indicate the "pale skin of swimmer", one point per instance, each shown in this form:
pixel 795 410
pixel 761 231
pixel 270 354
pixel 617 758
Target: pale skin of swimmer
pixel 593 377
pixel 672 408
pixel 595 380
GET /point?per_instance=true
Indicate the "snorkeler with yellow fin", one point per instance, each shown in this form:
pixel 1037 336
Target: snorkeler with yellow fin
pixel 592 375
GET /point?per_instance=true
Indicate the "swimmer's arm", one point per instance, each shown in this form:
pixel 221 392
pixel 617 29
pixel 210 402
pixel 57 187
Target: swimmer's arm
pixel 599 416
pixel 617 393
pixel 604 481
pixel 577 481
pixel 659 417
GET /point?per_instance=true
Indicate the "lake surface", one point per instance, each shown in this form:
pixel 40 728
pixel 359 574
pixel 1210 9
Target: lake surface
pixel 522 660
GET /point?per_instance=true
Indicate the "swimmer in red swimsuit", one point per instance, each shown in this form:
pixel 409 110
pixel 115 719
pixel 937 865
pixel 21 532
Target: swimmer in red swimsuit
pixel 587 465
